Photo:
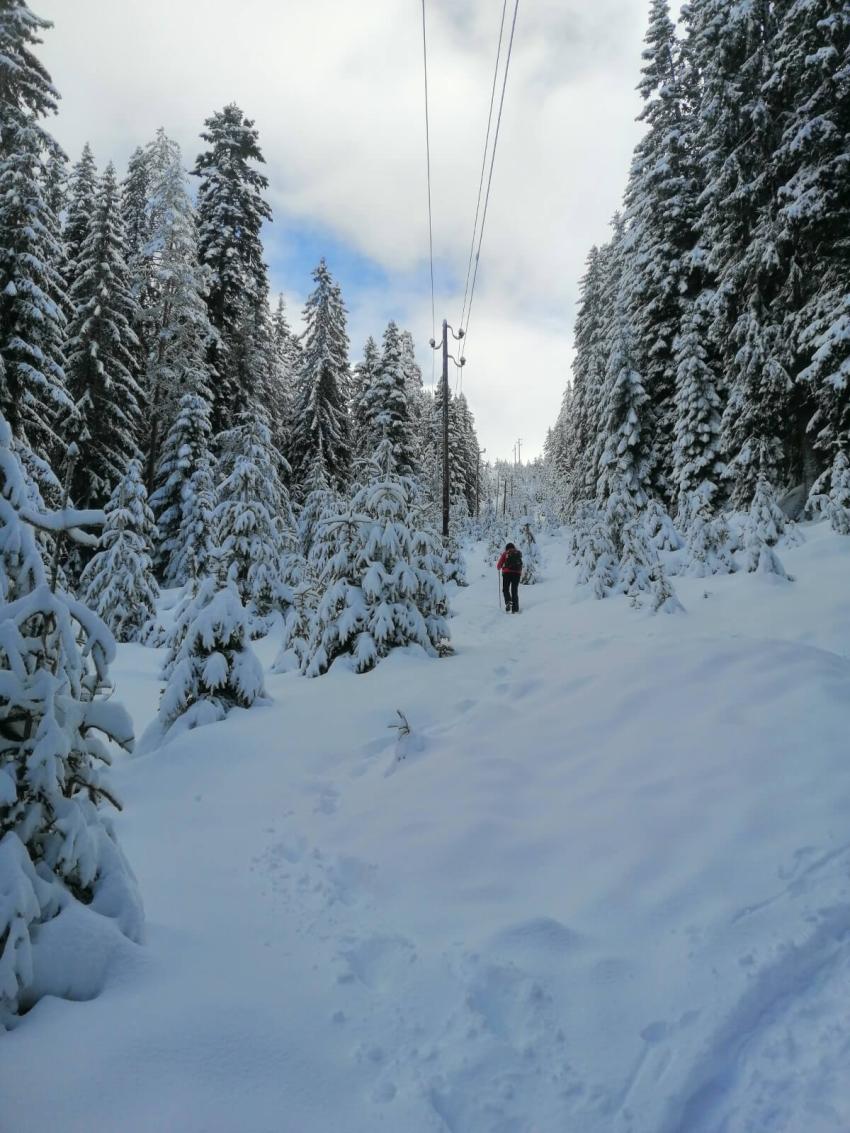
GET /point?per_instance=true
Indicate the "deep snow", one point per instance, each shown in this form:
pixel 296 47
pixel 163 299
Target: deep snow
pixel 606 889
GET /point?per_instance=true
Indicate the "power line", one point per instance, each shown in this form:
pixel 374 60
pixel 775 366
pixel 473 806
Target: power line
pixel 484 161
pixel 428 169
pixel 492 162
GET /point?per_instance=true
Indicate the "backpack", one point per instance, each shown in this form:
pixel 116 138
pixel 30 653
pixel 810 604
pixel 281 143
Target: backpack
pixel 513 562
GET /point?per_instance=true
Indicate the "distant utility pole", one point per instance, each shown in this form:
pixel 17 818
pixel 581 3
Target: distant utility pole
pixel 445 386
pixel 519 450
pixel 481 452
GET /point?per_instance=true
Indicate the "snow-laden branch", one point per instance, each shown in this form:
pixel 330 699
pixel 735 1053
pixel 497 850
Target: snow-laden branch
pixel 68 519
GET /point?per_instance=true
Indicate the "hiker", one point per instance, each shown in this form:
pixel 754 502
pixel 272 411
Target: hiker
pixel 510 564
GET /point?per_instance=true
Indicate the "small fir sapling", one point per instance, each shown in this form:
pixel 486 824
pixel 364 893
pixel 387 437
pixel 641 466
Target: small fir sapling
pixel 764 525
pixel 376 591
pixel 660 527
pixel 530 553
pixel 251 510
pixel 596 556
pixel 709 541
pixel 118 582
pixel 298 622
pixel 214 670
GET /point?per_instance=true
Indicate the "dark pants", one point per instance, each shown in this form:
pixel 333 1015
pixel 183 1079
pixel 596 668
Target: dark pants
pixel 510 590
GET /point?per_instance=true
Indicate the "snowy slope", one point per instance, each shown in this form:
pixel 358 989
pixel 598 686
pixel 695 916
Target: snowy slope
pixel 608 887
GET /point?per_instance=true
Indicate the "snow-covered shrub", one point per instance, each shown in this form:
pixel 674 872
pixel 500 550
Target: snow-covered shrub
pixel 56 846
pixel 762 558
pixel 377 590
pixel 118 583
pixel 214 669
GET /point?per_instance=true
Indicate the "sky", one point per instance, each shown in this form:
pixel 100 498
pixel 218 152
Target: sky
pixel 336 90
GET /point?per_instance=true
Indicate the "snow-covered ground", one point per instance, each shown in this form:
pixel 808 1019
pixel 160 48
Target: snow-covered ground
pixel 607 888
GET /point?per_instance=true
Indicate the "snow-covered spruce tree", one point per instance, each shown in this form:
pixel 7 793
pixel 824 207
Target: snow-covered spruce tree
pixel 578 422
pixel 82 194
pixel 595 556
pixel 739 127
pixel 466 452
pixel 497 538
pixel 660 214
pixel 251 515
pixel 826 337
pixel 763 527
pixel 298 621
pixel 173 321
pixel 454 560
pixel 286 360
pixel 56 847
pixel 377 591
pixel 625 459
pixel 321 427
pixel 641 570
pixel 231 212
pixel 709 543
pixel 213 670
pixel 416 399
pixel 660 527
pixel 266 351
pixel 101 349
pixel 696 446
pixel 55 181
pixel 118 582
pixel 194 549
pixel 186 450
pixel 364 377
pixel 638 556
pixel 765 515
pixel 320 500
pixel 838 505
pixel 809 95
pixel 135 192
pixel 33 397
pixel 383 410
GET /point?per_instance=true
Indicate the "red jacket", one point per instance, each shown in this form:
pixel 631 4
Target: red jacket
pixel 500 565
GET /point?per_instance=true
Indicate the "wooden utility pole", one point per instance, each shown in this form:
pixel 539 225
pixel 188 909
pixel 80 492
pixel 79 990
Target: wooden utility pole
pixel 445 388
pixel 446 500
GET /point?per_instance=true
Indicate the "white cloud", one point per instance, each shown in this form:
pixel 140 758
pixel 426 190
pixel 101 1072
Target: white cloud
pixel 335 88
